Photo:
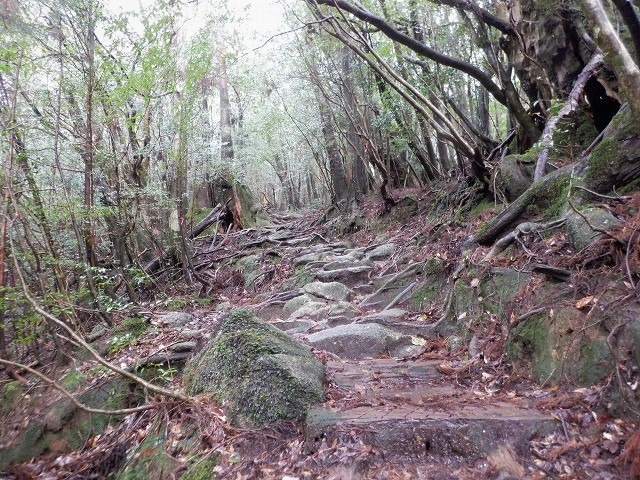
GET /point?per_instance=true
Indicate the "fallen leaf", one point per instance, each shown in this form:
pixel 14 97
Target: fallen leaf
pixel 583 302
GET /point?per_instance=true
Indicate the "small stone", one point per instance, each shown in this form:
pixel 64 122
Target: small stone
pixel 348 276
pixel 312 310
pixel 224 306
pixel 454 342
pixel 357 341
pixel 393 314
pixel 175 319
pixel 191 333
pixel 298 325
pixel 97 332
pixel 308 258
pixel 336 320
pixel 297 302
pixel 183 347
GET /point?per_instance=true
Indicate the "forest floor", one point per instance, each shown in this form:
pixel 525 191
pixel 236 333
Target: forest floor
pixel 447 408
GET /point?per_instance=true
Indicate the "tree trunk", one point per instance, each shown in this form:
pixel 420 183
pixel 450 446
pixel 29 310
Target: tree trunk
pixel 618 56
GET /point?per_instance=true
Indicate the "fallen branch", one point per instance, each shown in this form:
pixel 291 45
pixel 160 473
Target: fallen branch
pixel 78 339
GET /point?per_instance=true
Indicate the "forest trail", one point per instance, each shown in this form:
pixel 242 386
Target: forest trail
pixel 382 394
pixel 402 400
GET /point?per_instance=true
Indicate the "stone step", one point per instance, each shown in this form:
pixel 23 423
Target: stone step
pixel 409 408
pixel 382 370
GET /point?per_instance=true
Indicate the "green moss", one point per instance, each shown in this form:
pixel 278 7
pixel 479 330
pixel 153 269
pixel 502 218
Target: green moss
pixel 426 294
pixel 174 304
pixel 602 158
pixel 549 199
pixel 483 228
pixel 73 380
pixel 202 470
pixel 133 325
pixel 151 461
pixel 608 163
pixel 481 207
pixel 630 187
pixel 595 361
pixel 258 369
pixel 11 394
pixel 432 286
pixel 300 278
pixel 529 342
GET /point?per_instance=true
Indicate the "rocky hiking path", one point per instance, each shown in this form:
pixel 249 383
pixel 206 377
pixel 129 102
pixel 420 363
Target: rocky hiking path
pixel 376 332
pixel 382 394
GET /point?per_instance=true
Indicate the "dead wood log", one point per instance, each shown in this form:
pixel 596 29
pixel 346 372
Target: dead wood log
pixel 214 215
pixel 155 360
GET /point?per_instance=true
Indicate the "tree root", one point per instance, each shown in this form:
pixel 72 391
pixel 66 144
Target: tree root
pixel 532 196
pixel 524 228
pixel 399 276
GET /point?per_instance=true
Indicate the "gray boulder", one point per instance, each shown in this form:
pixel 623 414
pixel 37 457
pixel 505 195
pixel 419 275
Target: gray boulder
pixel 579 230
pixel 381 252
pixel 348 276
pixel 262 374
pixel 358 341
pixel 385 316
pixel 312 310
pixel 321 311
pixel 328 290
pixel 297 302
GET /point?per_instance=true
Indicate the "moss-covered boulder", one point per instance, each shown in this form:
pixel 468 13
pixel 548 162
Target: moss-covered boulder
pixel 261 373
pixel 150 460
pixel 516 172
pixel 250 266
pixel 435 275
pixel 485 290
pixel 555 346
pixel 580 228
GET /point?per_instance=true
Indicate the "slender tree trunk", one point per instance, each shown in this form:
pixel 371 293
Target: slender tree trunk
pixel 89 235
pixel 226 136
pixel 355 152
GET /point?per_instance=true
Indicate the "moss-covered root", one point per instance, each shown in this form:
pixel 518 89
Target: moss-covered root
pixel 542 193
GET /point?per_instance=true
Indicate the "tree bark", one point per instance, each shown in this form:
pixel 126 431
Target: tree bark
pixel 630 18
pixel 572 103
pixel 618 56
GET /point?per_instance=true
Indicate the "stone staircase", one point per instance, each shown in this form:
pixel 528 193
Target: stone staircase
pixel 411 409
pixel 380 396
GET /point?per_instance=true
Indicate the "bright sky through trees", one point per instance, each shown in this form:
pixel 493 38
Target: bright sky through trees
pixel 261 19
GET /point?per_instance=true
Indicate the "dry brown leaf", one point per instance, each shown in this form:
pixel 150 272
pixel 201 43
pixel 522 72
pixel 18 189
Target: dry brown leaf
pixel 583 302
